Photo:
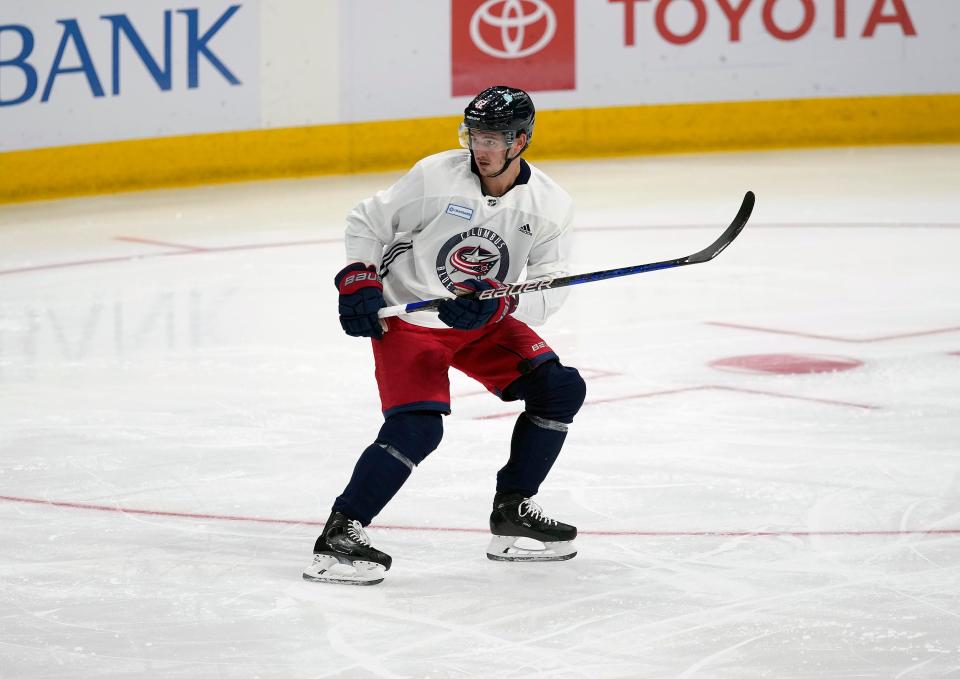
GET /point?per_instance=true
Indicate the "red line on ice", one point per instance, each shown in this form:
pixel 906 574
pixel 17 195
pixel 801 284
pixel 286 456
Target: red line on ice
pixel 835 338
pixel 159 243
pixel 448 529
pixel 705 387
pixel 178 253
pixel 773 225
pixel 626 227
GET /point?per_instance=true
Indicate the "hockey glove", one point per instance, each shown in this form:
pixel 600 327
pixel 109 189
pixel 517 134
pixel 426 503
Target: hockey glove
pixel 470 314
pixel 361 296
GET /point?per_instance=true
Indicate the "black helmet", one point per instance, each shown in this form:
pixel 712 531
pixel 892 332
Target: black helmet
pixel 501 109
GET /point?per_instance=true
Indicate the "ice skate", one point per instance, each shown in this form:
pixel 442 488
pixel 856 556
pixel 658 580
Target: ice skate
pixel 343 555
pixel 518 521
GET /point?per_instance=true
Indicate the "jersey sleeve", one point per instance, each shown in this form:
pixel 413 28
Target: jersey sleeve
pixel 548 259
pixel 373 223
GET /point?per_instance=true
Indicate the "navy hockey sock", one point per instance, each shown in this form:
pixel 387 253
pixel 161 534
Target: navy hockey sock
pixel 376 478
pixel 553 395
pixel 534 448
pixel 404 441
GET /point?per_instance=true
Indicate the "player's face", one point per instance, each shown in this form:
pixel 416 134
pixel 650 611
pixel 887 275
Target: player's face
pixel 490 148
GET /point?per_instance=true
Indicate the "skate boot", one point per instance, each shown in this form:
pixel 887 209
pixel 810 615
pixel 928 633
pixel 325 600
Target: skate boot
pixel 343 555
pixel 516 518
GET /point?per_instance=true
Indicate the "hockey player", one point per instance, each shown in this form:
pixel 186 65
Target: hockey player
pixel 457 222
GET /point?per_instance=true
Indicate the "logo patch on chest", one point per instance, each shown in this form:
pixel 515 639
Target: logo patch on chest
pixel 460 211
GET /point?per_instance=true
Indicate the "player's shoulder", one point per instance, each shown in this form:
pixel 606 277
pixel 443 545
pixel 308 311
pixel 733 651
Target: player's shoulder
pixel 544 185
pixel 446 172
pixel 446 162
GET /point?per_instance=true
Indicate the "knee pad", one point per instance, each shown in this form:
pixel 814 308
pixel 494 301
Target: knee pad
pixel 554 392
pixel 411 436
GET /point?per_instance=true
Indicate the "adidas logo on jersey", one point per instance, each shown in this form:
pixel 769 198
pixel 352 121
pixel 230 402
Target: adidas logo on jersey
pixel 525 229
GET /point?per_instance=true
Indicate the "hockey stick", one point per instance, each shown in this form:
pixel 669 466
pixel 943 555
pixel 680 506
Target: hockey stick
pixel 705 255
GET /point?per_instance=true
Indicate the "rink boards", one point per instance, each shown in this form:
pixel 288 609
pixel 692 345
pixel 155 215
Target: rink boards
pixel 111 97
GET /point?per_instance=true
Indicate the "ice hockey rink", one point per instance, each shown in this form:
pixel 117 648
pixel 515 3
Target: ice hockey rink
pixel 766 473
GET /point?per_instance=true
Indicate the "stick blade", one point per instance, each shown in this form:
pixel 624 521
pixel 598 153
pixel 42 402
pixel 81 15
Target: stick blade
pixel 731 232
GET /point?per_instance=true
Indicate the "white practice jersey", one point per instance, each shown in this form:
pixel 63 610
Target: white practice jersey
pixel 434 228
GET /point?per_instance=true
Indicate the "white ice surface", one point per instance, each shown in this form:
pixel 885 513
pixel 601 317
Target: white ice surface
pixel 174 424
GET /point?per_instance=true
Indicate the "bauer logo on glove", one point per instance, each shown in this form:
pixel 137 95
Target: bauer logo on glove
pixel 361 297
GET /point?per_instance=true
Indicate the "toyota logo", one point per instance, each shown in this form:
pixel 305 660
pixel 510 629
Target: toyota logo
pixel 513 23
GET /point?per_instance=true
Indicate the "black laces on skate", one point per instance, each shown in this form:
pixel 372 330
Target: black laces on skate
pixel 357 534
pixel 530 508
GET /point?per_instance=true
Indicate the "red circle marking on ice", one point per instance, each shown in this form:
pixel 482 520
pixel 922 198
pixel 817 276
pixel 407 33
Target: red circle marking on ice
pixel 786 364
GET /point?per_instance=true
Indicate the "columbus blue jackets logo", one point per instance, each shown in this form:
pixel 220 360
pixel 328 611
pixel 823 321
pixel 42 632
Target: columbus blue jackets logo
pixel 477 253
pixel 474 261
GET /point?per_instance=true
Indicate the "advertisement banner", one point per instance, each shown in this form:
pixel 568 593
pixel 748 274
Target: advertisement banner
pixel 532 40
pixel 426 58
pixel 693 51
pixel 108 70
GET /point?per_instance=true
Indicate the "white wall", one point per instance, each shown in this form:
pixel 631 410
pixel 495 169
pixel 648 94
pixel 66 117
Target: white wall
pixel 299 67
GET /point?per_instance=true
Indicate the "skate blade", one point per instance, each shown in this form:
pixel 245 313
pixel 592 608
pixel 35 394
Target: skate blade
pixel 330 569
pixel 505 548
